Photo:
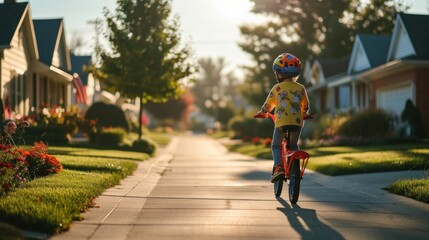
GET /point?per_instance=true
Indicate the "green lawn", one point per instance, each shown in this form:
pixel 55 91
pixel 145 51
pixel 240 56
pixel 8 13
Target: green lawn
pixel 417 189
pixel 363 159
pixel 162 139
pixel 50 204
pixel 343 160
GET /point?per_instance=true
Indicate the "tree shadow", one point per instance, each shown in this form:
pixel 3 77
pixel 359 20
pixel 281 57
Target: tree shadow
pixel 306 222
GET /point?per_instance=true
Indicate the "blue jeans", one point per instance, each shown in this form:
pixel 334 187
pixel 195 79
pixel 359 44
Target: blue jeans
pixel 276 144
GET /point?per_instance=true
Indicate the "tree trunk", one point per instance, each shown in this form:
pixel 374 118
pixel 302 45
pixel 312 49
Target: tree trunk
pixel 141 117
pixel 2 116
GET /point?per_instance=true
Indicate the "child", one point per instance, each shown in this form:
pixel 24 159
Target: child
pixel 291 104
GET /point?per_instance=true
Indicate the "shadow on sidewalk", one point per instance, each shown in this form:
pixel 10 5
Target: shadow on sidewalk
pixel 306 222
pixel 256 175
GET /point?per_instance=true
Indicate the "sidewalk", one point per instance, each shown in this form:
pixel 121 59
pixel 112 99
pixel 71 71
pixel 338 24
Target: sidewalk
pixel 383 179
pixel 118 206
pixel 195 189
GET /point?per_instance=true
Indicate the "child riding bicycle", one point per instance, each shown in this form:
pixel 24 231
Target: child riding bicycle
pixel 291 104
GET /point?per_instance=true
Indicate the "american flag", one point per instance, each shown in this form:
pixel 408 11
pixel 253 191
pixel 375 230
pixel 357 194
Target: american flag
pixel 80 90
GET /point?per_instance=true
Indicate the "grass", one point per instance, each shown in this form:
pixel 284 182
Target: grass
pixel 342 160
pixel 363 159
pixel 162 139
pixel 50 204
pixel 417 189
pixel 370 161
pixel 221 134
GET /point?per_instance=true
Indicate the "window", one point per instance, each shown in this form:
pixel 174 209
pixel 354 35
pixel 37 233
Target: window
pixel 344 96
pixel 16 91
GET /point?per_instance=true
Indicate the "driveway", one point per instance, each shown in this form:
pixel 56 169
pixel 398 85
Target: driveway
pixel 196 189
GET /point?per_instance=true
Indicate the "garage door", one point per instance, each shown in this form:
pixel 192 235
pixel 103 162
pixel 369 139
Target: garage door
pixel 393 99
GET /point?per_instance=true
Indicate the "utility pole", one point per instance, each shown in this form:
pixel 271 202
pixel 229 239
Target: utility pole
pixel 97 26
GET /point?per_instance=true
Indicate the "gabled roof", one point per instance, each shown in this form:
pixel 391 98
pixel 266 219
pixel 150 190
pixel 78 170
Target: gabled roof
pixel 417 27
pixel 376 48
pixel 47 31
pixel 334 66
pixel 77 63
pixel 410 37
pixel 369 51
pixel 11 15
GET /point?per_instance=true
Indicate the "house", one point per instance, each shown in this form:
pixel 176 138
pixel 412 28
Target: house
pixel 34 61
pixel 52 71
pixel 18 54
pixel 351 91
pixel 405 75
pixel 322 73
pixel 383 72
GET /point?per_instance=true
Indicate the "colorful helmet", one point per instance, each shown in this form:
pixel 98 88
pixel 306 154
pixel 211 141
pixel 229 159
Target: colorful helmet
pixel 287 65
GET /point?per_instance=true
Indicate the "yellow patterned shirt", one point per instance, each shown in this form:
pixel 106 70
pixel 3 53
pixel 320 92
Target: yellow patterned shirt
pixel 290 101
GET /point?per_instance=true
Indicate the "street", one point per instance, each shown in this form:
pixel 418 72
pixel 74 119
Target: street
pixel 196 189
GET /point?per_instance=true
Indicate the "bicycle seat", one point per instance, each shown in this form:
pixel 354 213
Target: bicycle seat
pixel 291 128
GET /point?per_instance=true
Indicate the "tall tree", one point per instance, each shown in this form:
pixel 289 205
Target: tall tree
pixel 215 89
pixel 308 29
pixel 146 60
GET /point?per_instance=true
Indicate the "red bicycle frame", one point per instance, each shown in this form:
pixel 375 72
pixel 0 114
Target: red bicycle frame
pixel 288 154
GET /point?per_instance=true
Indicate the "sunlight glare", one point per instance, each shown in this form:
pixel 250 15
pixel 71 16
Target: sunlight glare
pixel 238 11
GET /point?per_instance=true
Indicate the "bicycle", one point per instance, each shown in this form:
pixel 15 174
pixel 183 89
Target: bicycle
pixel 11 134
pixel 294 170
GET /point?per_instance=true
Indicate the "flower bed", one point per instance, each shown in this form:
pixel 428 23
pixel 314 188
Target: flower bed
pixel 19 165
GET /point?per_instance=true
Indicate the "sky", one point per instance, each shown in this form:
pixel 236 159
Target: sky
pixel 212 26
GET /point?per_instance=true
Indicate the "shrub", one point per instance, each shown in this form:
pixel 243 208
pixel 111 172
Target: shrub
pixel 267 142
pixel 250 127
pixel 109 136
pixel 19 165
pixel 13 169
pixel 368 124
pixel 412 116
pixel 144 145
pixel 49 134
pixel 256 140
pixel 40 163
pixel 107 115
pixel 52 125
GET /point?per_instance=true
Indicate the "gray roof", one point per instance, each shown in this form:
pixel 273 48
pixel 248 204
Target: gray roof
pixel 10 16
pixel 417 27
pixel 334 66
pixel 77 66
pixel 47 31
pixel 376 48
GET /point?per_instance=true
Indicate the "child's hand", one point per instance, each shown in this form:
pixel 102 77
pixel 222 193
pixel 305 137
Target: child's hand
pixel 306 116
pixel 261 114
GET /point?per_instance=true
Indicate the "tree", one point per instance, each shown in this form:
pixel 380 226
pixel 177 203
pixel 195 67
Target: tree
pixel 215 89
pixel 146 60
pixel 177 110
pixel 308 29
pixel 2 117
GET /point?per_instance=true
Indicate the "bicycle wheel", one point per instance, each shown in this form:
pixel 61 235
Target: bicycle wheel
pixel 278 186
pixel 19 142
pixel 295 181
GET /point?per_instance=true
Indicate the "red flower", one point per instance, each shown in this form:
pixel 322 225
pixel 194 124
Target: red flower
pixel 267 142
pixel 5 147
pixel 7 186
pixel 255 140
pixel 6 165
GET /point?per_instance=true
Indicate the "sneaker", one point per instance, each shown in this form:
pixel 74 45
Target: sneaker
pixel 278 174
